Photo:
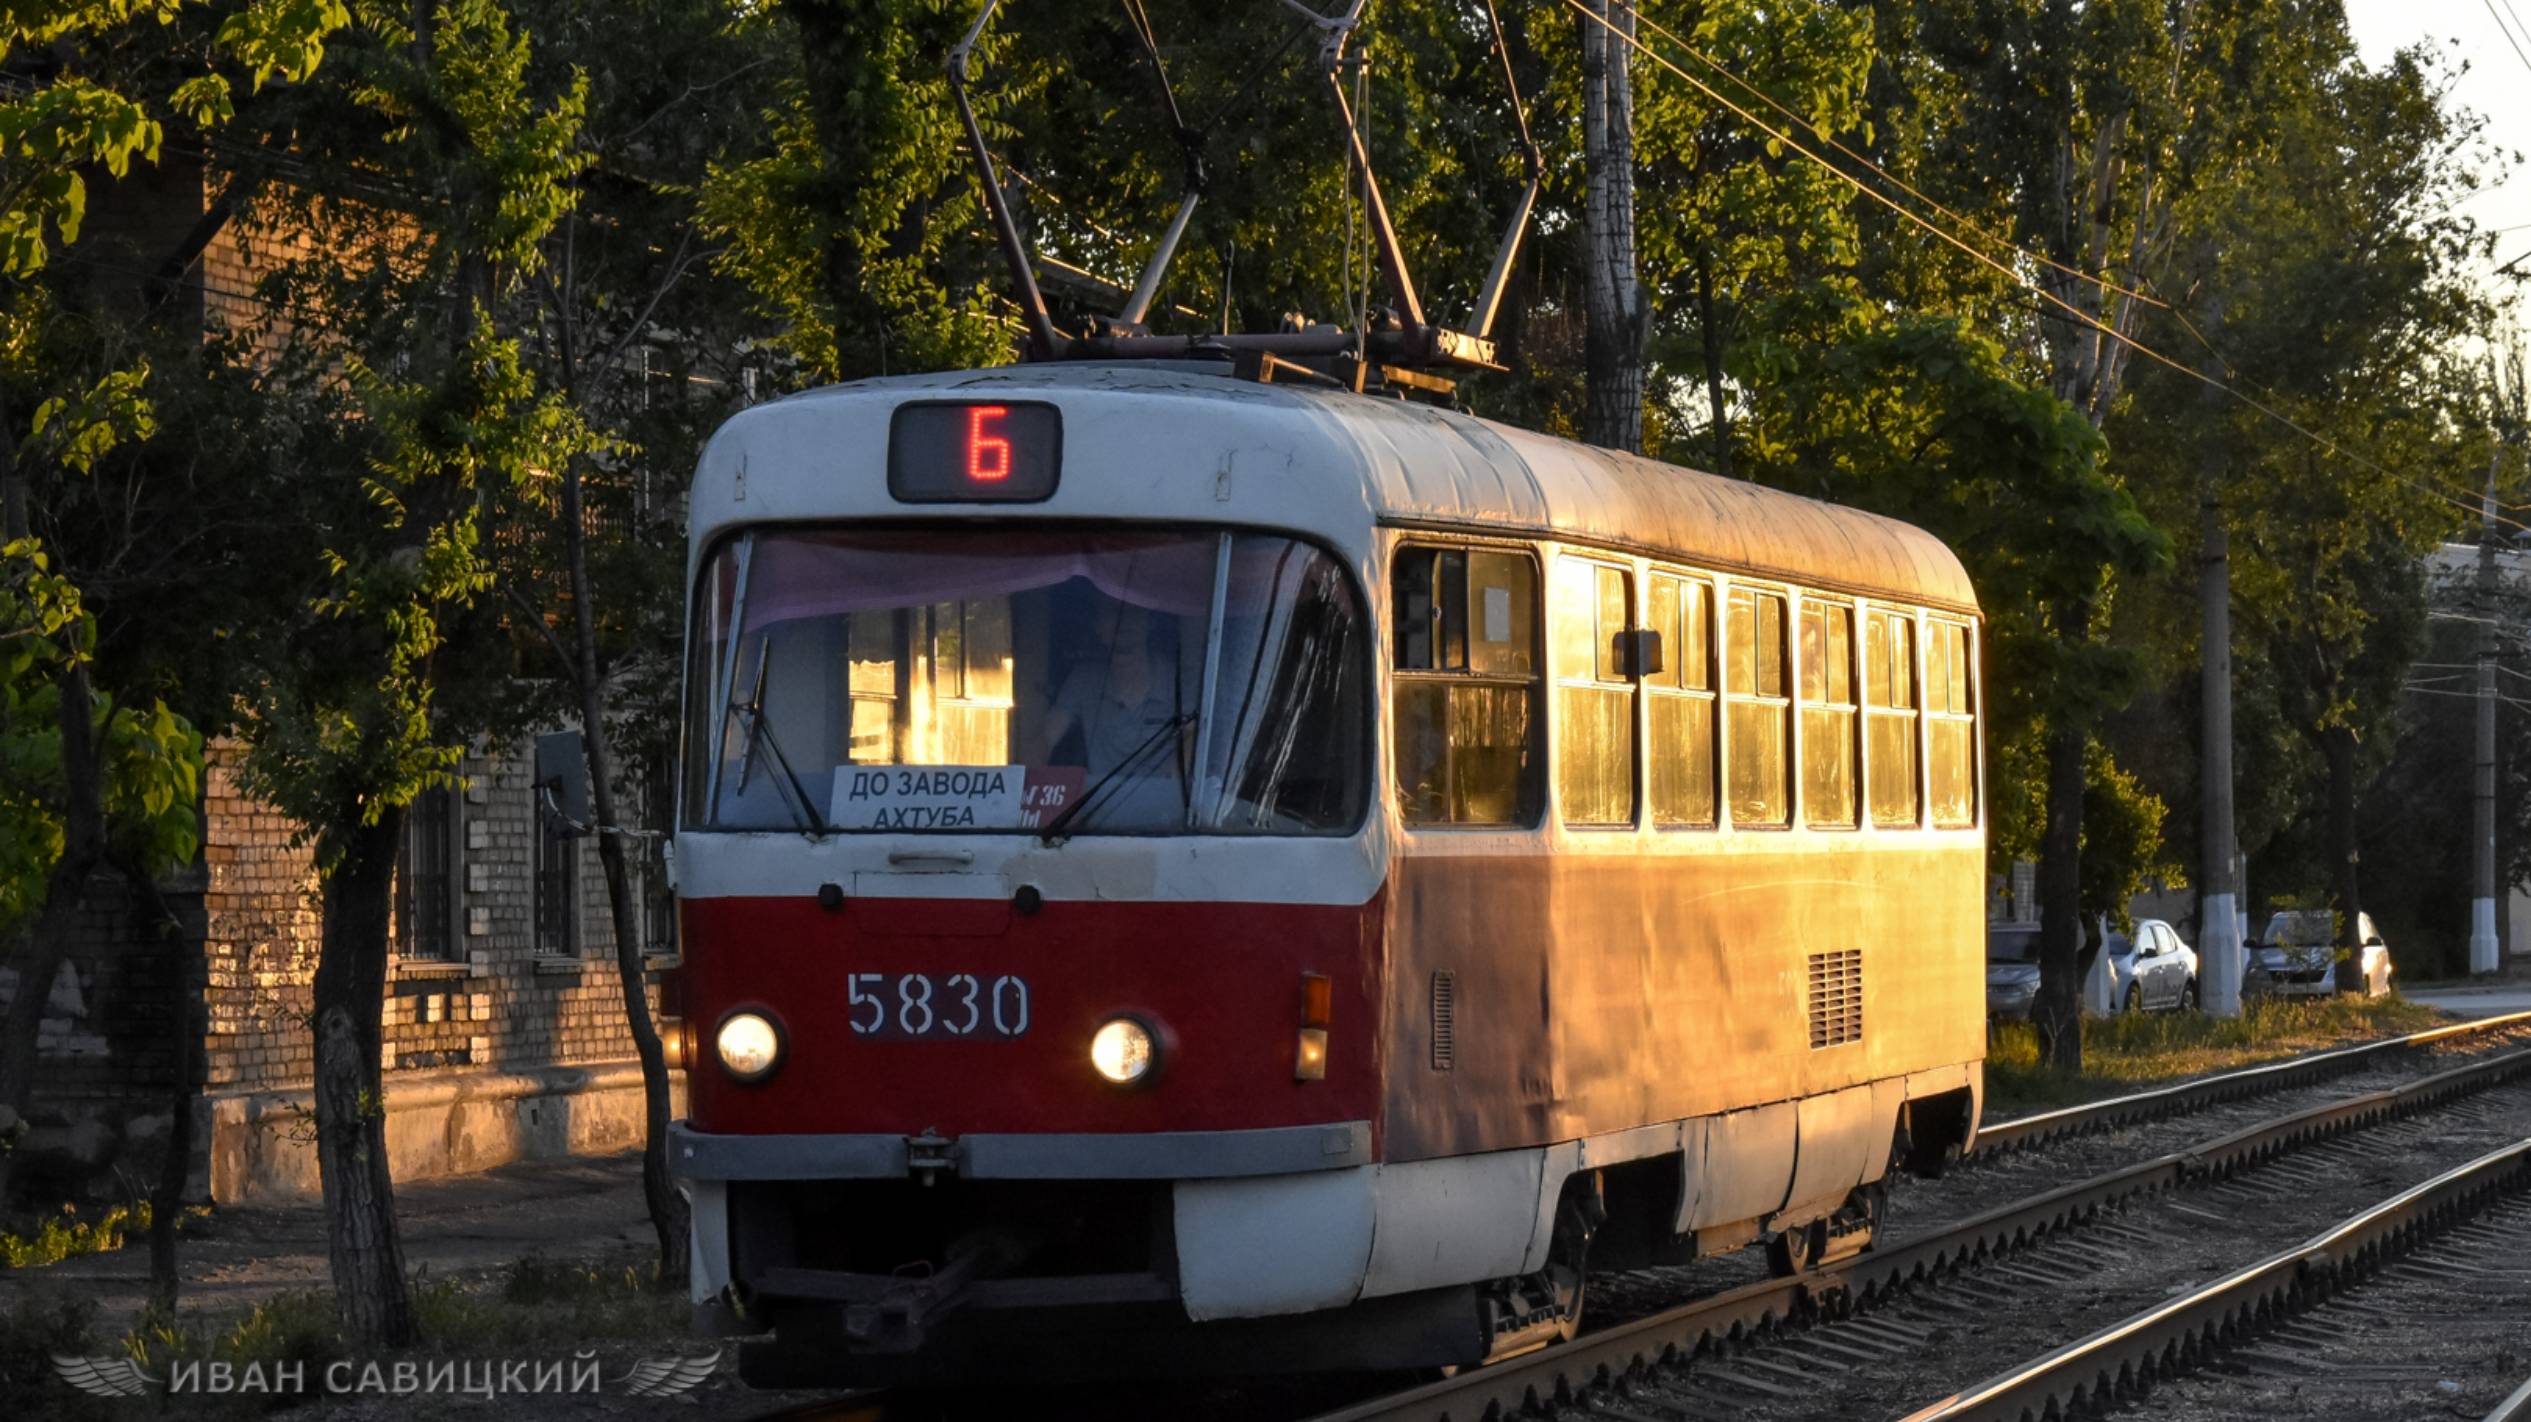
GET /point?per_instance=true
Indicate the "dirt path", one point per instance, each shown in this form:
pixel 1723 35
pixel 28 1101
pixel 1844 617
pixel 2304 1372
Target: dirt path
pixel 245 1254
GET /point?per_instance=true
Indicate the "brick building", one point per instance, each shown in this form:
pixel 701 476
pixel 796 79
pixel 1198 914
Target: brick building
pixel 505 1035
pixel 504 1029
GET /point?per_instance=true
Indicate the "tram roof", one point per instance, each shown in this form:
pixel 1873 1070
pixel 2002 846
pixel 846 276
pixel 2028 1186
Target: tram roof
pixel 1420 465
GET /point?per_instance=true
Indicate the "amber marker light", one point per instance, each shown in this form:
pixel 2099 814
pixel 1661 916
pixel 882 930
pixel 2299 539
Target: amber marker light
pixel 1122 1051
pixel 1318 1000
pixel 750 1046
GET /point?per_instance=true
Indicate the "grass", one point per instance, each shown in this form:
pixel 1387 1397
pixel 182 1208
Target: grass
pixel 61 1236
pixel 2136 1051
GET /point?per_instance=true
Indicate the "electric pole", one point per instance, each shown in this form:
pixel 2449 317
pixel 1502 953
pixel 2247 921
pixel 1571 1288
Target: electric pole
pixel 2219 952
pixel 2482 917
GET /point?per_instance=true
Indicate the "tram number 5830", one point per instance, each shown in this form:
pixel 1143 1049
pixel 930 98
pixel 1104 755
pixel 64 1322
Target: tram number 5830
pixel 904 1005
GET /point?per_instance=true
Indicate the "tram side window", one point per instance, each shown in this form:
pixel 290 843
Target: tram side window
pixel 1761 708
pixel 1466 686
pixel 1827 714
pixel 1681 696
pixel 1595 702
pixel 1950 674
pixel 1889 697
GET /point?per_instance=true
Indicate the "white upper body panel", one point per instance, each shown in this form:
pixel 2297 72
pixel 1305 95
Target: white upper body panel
pixel 1171 445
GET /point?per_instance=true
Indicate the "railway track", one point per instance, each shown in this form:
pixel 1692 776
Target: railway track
pixel 2415 1305
pixel 1865 1335
pixel 1956 1239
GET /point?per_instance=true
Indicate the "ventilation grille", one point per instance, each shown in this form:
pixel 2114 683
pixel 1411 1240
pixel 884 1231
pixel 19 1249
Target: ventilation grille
pixel 1836 998
pixel 1445 1020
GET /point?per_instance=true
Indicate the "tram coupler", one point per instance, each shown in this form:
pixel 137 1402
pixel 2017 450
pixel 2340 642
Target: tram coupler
pixel 899 1320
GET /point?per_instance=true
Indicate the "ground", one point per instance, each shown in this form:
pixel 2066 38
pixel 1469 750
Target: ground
pixel 538 1261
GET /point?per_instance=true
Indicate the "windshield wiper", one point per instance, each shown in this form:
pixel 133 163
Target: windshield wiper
pixel 1079 809
pixel 756 731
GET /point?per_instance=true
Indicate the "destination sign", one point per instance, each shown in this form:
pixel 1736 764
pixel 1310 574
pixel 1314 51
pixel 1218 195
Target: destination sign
pixel 950 797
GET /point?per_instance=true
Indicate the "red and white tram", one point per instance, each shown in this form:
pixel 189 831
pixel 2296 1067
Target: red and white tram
pixel 1263 876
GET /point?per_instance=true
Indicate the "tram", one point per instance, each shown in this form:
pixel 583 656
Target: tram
pixel 1186 872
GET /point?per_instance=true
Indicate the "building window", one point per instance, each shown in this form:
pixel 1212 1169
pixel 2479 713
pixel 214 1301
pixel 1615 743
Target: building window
pixel 1951 723
pixel 1828 752
pixel 1466 686
pixel 1681 611
pixel 426 878
pixel 557 880
pixel 1595 695
pixel 1889 698
pixel 1761 709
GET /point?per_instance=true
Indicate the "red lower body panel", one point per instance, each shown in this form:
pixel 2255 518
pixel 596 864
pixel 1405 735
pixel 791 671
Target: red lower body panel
pixel 902 1016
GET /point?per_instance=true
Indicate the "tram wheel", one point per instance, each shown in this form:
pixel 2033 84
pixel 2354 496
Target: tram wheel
pixel 1796 1250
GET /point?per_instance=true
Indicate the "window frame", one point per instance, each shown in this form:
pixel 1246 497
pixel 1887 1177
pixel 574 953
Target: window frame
pixel 1537 784
pixel 1785 703
pixel 452 892
pixel 544 841
pixel 1711 693
pixel 1559 681
pixel 1972 693
pixel 1911 619
pixel 1830 604
pixel 698 716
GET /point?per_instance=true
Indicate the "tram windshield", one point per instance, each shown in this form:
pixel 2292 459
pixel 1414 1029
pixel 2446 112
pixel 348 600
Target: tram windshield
pixel 1029 680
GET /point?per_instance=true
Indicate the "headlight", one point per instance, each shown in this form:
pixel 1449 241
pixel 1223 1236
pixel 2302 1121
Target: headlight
pixel 749 1044
pixel 1122 1051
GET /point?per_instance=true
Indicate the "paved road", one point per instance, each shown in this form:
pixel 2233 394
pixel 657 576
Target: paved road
pixel 2475 1001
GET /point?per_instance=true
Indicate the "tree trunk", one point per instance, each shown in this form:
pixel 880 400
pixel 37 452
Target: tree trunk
pixel 42 951
pixel 1711 323
pixel 2337 747
pixel 362 1241
pixel 668 1214
pixel 1617 320
pixel 167 1198
pixel 2059 1010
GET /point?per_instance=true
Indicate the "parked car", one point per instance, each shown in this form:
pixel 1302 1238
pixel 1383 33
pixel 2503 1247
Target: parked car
pixel 2152 969
pixel 2012 969
pixel 2298 955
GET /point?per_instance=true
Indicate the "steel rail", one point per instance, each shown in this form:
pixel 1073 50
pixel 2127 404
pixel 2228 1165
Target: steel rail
pixel 2122 1360
pixel 2026 1131
pixel 2515 1408
pixel 1838 1290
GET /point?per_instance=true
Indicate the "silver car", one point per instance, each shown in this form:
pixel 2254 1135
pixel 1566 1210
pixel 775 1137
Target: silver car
pixel 2151 969
pixel 2012 969
pixel 2298 955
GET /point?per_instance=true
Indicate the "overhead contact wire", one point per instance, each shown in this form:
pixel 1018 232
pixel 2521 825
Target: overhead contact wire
pixel 2468 504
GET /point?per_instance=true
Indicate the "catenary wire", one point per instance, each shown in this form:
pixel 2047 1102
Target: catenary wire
pixel 1993 238
pixel 2469 504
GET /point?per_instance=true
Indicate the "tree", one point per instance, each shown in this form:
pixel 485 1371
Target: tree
pixel 616 302
pixel 1619 313
pixel 81 118
pixel 393 663
pixel 2335 265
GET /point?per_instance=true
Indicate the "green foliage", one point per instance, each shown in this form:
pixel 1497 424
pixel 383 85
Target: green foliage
pixel 152 759
pixel 64 1235
pixel 53 130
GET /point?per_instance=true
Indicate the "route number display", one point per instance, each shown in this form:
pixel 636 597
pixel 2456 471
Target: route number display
pixel 970 452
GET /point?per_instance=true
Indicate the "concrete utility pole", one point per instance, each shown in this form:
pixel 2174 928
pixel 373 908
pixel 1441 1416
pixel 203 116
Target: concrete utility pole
pixel 2482 912
pixel 2218 914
